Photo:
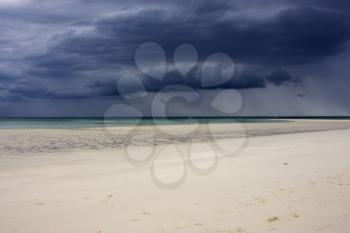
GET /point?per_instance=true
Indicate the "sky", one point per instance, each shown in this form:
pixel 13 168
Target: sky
pixel 174 58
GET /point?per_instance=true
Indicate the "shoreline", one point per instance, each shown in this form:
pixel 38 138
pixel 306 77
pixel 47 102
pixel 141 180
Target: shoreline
pixel 38 141
pixel 66 123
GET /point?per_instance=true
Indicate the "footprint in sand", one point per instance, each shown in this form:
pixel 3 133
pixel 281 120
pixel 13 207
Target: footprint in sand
pixel 145 213
pixel 294 215
pixel 272 219
pixel 260 199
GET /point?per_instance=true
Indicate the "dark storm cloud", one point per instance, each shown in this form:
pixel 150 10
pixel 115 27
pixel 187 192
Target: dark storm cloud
pixel 35 16
pixel 27 92
pixel 108 88
pixel 104 88
pixel 5 77
pixel 293 36
pixel 89 45
pixel 244 80
pixel 280 77
pixel 53 67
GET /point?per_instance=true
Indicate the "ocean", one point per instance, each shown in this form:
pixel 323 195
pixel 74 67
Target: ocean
pixel 33 123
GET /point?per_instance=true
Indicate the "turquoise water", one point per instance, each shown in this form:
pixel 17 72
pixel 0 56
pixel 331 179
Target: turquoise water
pixel 31 123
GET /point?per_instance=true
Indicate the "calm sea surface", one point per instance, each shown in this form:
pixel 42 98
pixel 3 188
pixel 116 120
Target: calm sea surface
pixel 31 123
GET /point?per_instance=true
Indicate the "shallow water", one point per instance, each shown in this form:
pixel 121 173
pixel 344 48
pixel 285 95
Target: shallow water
pixel 41 123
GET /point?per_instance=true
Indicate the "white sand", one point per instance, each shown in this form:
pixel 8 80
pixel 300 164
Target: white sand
pixel 283 183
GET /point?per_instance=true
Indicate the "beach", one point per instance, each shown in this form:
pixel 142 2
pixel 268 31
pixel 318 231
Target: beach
pixel 274 176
